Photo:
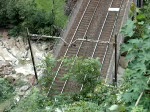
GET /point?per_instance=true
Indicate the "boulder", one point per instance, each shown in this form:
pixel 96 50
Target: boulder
pixel 27 47
pixel 24 88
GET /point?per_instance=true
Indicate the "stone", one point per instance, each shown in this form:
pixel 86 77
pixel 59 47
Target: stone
pixel 27 93
pixel 28 59
pixel 10 79
pixel 24 88
pixel 13 71
pixel 19 74
pixel 27 47
pixel 121 70
pixel 32 80
pixel 20 93
pixel 7 72
pixel 44 47
pixel 1 58
pixel 123 62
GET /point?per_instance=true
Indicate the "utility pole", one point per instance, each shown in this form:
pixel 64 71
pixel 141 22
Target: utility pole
pixel 33 62
pixel 116 62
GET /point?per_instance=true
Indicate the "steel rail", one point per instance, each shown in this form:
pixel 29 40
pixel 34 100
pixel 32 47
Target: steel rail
pixel 56 48
pixel 82 42
pixel 68 48
pixel 111 35
pixel 98 39
pixel 101 30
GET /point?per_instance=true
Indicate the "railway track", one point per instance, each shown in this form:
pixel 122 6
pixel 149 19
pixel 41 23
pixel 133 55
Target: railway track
pixel 94 22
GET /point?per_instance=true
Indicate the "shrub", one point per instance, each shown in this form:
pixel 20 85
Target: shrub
pixel 20 14
pixel 6 90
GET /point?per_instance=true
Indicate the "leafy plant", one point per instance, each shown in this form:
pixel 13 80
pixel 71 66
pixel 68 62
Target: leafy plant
pixel 48 64
pixel 138 70
pixel 19 14
pixel 83 71
pixel 82 106
pixel 34 102
pixel 128 29
pixel 138 109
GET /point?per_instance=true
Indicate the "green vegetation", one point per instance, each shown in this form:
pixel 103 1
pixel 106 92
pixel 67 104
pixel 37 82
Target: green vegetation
pixel 83 71
pixel 137 48
pixel 6 90
pixel 58 6
pixel 97 96
pixel 35 102
pixel 48 64
pixel 46 5
pixel 41 17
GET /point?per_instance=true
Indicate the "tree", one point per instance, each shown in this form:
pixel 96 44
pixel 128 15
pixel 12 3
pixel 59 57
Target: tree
pixel 83 71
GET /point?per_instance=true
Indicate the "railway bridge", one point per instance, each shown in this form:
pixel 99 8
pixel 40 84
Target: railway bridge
pixel 90 33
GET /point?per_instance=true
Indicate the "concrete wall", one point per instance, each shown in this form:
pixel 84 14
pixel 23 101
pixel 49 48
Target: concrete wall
pixel 124 15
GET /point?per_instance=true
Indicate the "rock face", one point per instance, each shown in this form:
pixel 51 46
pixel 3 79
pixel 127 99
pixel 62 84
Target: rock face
pixel 123 62
pixel 120 74
pixel 5 68
pixel 16 65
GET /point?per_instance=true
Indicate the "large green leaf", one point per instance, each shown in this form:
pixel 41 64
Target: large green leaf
pixel 128 29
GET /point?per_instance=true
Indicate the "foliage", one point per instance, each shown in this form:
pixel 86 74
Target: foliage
pixel 48 64
pixel 58 6
pixel 6 90
pixel 128 28
pixel 82 106
pixel 138 70
pixel 97 96
pixel 35 102
pixel 83 71
pixel 19 14
pixel 146 11
pixel 138 109
pixel 3 17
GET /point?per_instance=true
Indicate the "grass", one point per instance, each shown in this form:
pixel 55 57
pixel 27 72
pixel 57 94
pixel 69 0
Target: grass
pixel 47 5
pixel 6 104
